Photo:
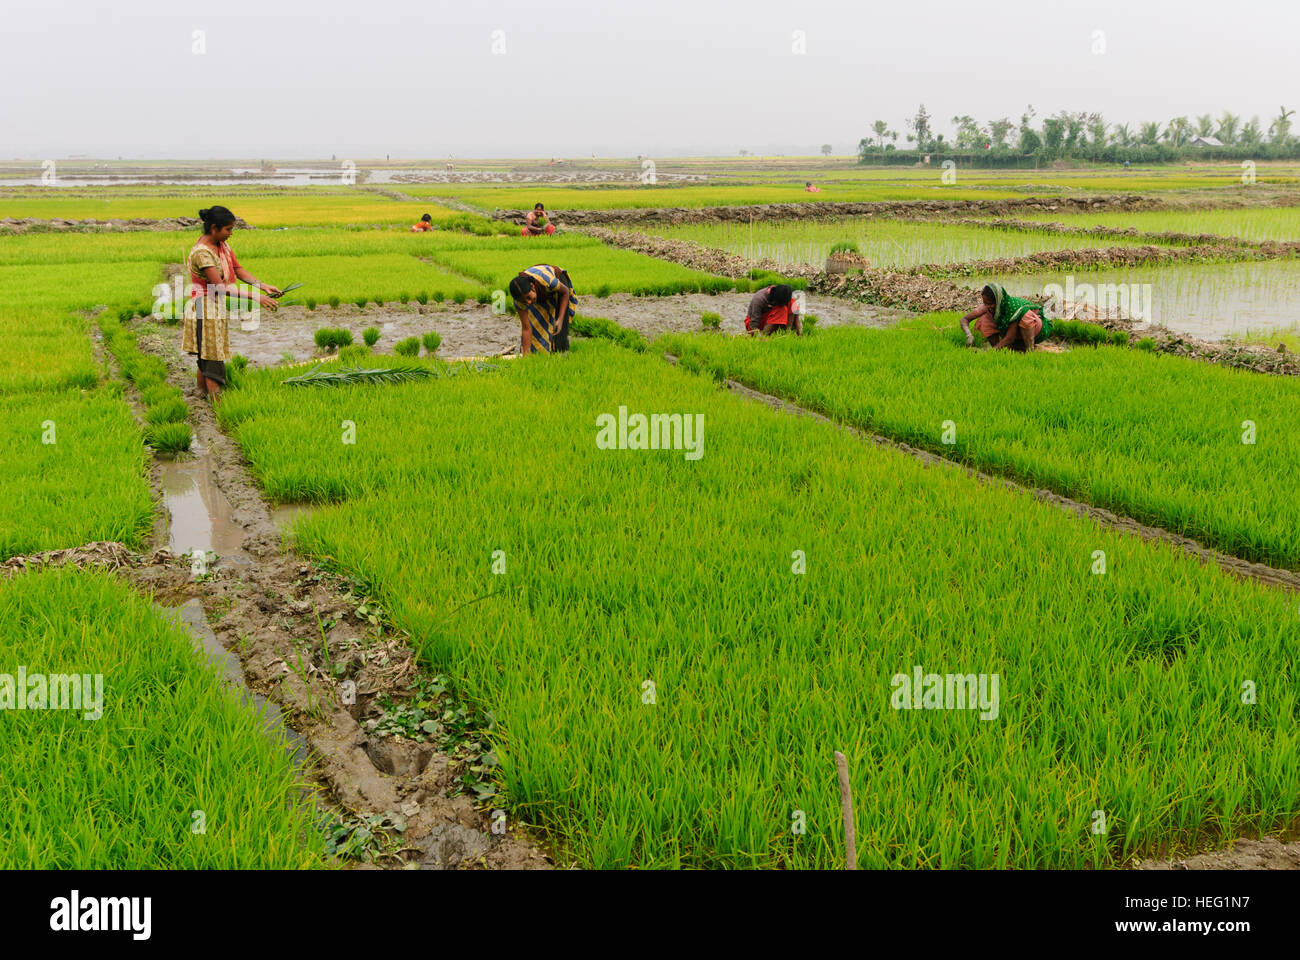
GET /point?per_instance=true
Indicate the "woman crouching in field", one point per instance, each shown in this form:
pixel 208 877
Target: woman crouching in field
pixel 543 296
pixel 1019 322
pixel 214 273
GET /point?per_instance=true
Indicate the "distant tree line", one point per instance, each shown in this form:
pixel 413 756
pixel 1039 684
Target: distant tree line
pixel 1084 136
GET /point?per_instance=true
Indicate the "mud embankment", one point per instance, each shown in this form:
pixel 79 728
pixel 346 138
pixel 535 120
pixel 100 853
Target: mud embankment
pixel 56 225
pixel 817 210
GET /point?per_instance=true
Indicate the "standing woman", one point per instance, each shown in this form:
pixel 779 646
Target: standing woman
pixel 543 297
pixel 214 273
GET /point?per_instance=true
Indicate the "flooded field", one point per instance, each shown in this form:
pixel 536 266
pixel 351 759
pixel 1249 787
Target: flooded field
pixel 886 243
pixel 1213 301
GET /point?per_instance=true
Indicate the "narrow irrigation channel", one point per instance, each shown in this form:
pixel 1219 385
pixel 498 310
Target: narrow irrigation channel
pixel 332 669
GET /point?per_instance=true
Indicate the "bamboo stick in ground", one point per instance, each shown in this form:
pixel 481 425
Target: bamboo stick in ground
pixel 846 808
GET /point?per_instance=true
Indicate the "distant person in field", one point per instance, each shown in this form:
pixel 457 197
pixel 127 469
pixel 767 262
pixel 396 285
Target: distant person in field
pixel 426 223
pixel 214 273
pixel 809 188
pixel 544 301
pixel 774 308
pixel 535 224
pixel 1007 321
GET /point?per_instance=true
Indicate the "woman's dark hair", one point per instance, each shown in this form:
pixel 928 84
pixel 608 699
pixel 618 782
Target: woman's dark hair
pixel 520 286
pixel 538 206
pixel 988 294
pixel 426 219
pixel 781 294
pixel 215 217
pixel 807 183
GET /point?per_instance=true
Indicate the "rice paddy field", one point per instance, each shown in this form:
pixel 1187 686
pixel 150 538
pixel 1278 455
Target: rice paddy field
pixel 667 641
pixel 1253 223
pixel 891 244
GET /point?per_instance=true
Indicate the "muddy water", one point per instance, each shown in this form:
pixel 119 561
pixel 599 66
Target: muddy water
pixel 474 330
pixel 199 516
pixel 284 515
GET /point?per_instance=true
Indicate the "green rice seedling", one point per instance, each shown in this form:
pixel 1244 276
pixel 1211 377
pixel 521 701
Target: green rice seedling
pixel 169 437
pixel 842 246
pixel 371 336
pixel 74 472
pixel 409 347
pixel 377 300
pixel 168 411
pixel 355 353
pixel 311 303
pixel 810 321
pixel 1146 343
pixel 360 302
pixel 171 739
pixel 710 320
pixel 698 720
pixel 603 291
pixel 459 297
pixel 605 329
pixel 1079 331
pixel 324 338
pixel 1126 430
pixel 238 363
pixel 431 341
pixel 404 297
pixel 334 302
pixel 439 296
pixel 1119 338
pixel 160 393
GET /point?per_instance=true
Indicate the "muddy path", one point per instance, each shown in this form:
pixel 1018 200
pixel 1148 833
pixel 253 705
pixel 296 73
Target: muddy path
pixel 818 210
pixel 474 330
pixel 17 225
pixel 315 645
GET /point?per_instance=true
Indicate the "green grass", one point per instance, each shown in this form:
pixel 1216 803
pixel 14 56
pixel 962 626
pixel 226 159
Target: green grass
pixel 120 792
pixel 88 484
pixel 1153 437
pixel 1118 692
pixel 886 243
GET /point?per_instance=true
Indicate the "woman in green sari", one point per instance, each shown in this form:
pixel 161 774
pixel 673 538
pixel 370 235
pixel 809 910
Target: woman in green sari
pixel 1020 323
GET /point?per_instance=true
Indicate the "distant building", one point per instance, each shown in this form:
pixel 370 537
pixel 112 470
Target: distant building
pixel 1199 141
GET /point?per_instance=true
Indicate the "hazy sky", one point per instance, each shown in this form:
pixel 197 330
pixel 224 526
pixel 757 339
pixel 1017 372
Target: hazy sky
pixel 420 79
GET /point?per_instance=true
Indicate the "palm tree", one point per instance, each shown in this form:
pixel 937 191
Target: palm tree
pixel 1150 134
pixel 1123 136
pixel 1250 134
pixel 1280 129
pixel 1205 125
pixel 1177 131
pixel 1228 124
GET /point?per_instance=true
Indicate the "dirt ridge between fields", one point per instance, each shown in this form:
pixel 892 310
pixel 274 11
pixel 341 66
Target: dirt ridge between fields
pixel 15 225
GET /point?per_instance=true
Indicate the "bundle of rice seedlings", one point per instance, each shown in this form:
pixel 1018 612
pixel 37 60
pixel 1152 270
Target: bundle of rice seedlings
pixel 431 341
pixel 409 347
pixel 371 336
